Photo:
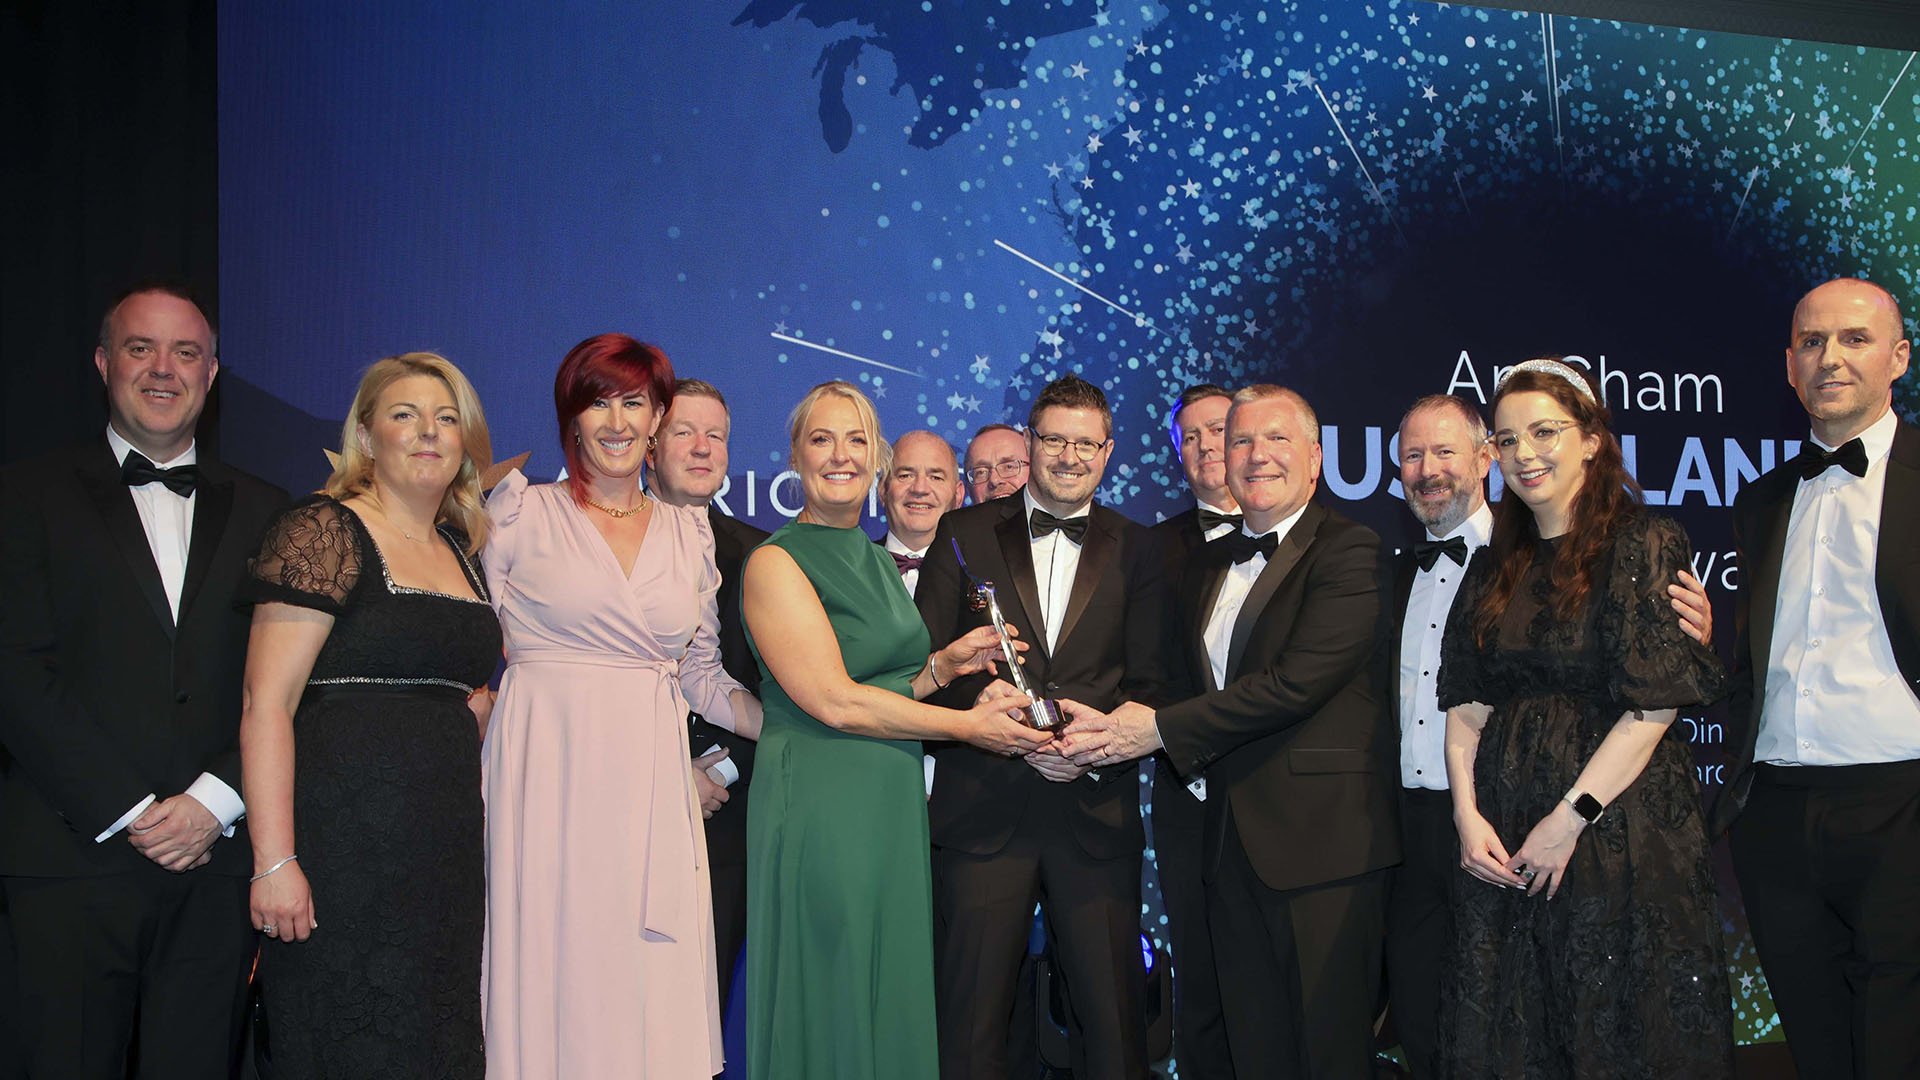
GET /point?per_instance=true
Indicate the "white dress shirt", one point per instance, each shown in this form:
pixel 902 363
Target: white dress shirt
pixel 1834 694
pixel 1055 560
pixel 910 578
pixel 1233 595
pixel 1423 723
pixel 168 521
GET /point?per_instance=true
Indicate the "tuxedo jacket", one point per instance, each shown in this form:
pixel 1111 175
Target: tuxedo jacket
pixel 1760 514
pixel 1110 649
pixel 733 541
pixel 104 699
pixel 1178 538
pixel 1298 746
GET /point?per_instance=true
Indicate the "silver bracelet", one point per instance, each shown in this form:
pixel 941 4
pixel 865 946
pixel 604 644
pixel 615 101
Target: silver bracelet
pixel 272 868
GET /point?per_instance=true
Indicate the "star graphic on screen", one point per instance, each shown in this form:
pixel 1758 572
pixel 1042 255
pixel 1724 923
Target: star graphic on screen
pixel 955 401
pixel 973 404
pixel 780 327
pixel 1053 170
pixel 1526 97
pixel 1132 135
pixel 1049 337
pixel 1428 92
pixel 1140 48
pixel 1101 18
pixel 1185 254
pixel 1093 143
pixel 1191 188
pixel 1086 182
pixel 1078 70
pixel 980 366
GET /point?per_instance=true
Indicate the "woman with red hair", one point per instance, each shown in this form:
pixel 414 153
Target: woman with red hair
pixel 1586 921
pixel 600 955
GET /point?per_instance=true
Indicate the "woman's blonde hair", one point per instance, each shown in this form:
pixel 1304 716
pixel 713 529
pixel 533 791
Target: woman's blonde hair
pixel 879 454
pixel 461 507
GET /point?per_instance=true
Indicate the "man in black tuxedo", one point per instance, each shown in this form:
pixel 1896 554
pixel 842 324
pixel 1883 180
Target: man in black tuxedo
pixel 1281 627
pixel 1824 794
pixel 1082 586
pixel 1199 429
pixel 687 467
pixel 921 485
pixel 121 656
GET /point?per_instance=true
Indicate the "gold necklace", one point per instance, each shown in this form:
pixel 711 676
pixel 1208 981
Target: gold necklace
pixel 616 514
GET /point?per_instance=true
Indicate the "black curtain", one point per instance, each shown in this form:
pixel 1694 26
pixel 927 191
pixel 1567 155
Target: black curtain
pixel 111 169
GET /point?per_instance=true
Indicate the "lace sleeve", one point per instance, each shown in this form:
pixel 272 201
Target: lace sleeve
pixel 1462 660
pixel 310 558
pixel 1651 662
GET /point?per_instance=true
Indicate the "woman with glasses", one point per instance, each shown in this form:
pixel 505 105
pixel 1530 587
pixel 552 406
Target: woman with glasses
pixel 1586 924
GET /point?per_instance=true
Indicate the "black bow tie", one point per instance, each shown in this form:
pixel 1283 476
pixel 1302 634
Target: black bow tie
pixel 1243 547
pixel 1074 528
pixel 1210 518
pixel 138 470
pixel 1852 456
pixel 1429 551
pixel 905 563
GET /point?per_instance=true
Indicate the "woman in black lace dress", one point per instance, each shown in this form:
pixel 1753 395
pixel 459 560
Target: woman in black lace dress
pixel 360 748
pixel 1587 929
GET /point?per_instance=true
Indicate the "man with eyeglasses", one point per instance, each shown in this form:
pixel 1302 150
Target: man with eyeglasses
pixel 1082 585
pixel 997 461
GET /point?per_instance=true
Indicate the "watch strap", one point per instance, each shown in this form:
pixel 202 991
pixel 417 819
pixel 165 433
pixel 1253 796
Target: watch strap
pixel 1585 805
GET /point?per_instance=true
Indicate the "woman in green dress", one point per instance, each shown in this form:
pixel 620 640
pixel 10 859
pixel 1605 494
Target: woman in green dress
pixel 839 897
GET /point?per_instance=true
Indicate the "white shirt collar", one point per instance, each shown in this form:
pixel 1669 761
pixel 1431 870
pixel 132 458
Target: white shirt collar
pixel 1080 511
pixel 1282 528
pixel 1877 440
pixel 121 448
pixel 894 545
pixel 1476 530
pixel 1205 505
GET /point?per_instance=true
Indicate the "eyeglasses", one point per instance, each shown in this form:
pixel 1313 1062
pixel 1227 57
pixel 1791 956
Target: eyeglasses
pixel 1543 437
pixel 1056 445
pixel 1006 470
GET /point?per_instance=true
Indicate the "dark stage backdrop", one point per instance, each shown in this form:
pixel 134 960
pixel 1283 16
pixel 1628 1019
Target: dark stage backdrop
pixel 952 201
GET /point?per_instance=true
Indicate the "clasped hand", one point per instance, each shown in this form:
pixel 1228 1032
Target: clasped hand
pixel 975 651
pixel 1541 863
pixel 1095 738
pixel 175 833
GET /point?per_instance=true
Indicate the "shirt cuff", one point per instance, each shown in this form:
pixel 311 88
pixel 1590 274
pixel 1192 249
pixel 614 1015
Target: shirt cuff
pixel 220 800
pixel 727 772
pixel 126 819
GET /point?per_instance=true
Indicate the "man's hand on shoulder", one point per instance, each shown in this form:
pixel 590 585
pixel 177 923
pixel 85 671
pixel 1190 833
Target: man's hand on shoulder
pixel 176 833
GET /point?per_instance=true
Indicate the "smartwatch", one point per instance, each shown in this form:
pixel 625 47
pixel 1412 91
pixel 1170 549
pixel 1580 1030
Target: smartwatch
pixel 1585 805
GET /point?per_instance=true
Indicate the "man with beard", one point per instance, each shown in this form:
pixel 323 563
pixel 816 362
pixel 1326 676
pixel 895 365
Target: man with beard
pixel 1082 586
pixel 1199 428
pixel 687 467
pixel 997 462
pixel 1444 462
pixel 923 484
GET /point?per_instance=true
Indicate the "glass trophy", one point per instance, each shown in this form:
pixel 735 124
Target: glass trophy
pixel 1042 714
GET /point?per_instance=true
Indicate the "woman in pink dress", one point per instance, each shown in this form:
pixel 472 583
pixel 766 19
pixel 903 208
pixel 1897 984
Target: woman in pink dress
pixel 600 956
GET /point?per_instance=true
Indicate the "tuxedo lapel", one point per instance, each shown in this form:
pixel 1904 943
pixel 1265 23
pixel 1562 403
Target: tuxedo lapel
pixel 1016 550
pixel 100 476
pixel 1899 534
pixel 1404 571
pixel 1096 558
pixel 1214 574
pixel 1285 557
pixel 212 505
pixel 1769 546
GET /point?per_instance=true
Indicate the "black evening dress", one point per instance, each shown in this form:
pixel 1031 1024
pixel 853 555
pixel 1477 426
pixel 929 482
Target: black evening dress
pixel 1622 974
pixel 388 821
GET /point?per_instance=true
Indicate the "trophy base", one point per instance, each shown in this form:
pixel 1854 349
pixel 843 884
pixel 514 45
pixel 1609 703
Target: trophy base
pixel 1044 715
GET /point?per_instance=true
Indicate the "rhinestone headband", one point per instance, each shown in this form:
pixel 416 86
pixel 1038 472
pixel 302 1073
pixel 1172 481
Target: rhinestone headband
pixel 1550 367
